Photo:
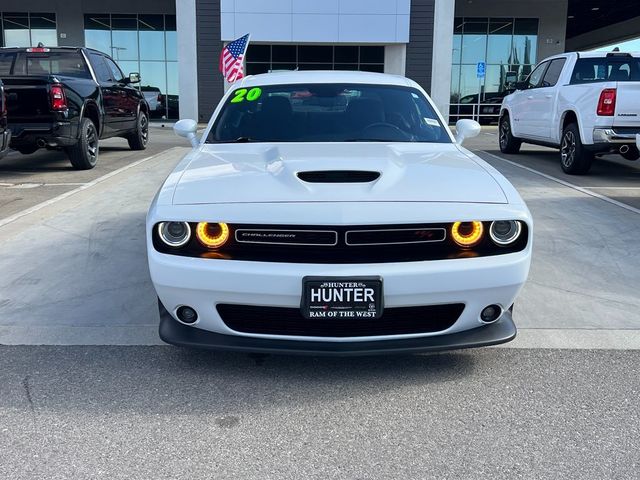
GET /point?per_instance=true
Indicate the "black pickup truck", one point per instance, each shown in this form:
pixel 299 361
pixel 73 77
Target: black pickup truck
pixel 5 133
pixel 69 98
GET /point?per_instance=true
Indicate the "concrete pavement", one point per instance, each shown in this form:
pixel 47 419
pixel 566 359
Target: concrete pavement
pixel 168 413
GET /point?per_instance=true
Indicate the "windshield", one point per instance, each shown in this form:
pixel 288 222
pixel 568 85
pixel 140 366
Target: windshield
pixel 327 113
pixel 70 64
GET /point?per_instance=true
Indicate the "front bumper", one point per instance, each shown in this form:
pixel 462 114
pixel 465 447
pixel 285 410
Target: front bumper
pixel 173 332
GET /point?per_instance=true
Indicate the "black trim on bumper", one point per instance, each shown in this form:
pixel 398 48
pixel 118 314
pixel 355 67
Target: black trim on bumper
pixel 173 332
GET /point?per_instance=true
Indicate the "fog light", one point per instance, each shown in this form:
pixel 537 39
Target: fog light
pixel 187 314
pixel 504 232
pixel 491 313
pixel 174 234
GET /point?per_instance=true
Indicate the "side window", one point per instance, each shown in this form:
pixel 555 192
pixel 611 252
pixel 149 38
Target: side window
pixel 553 72
pixel 536 76
pixel 102 72
pixel 115 70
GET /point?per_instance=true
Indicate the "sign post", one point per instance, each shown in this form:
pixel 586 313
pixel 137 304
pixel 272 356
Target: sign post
pixel 481 70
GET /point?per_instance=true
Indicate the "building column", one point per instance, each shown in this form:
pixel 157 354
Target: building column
pixel 444 15
pixel 395 59
pixel 187 58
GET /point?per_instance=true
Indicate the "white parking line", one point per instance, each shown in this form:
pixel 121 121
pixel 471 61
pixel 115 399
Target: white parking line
pixel 35 185
pixel 98 180
pixel 567 184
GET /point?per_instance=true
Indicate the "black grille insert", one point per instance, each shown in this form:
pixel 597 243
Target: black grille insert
pixel 393 236
pixel 289 321
pixel 338 176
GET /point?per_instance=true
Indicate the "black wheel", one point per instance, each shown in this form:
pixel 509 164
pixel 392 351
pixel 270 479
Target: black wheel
pixel 574 158
pixel 632 154
pixel 508 143
pixel 27 150
pixel 84 154
pixel 140 137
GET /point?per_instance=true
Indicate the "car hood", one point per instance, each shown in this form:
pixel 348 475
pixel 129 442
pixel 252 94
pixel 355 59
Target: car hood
pixel 262 173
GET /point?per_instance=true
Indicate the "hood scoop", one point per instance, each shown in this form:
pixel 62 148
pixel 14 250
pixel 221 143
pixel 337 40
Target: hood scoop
pixel 338 176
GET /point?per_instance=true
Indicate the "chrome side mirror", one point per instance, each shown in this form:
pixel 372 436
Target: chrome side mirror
pixel 187 128
pixel 466 128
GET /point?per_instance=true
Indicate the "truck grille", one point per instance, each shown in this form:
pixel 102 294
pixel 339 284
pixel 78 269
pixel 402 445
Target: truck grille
pixel 289 321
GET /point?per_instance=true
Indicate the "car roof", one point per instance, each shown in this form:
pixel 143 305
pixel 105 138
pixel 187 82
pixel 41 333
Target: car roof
pixel 324 76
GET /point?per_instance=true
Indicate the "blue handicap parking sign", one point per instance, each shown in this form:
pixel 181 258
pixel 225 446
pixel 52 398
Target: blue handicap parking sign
pixel 481 69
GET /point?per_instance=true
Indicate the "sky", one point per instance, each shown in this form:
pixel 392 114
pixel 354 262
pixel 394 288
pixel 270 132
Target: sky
pixel 627 46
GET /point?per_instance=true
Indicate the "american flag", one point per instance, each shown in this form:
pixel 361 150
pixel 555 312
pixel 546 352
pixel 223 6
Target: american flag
pixel 231 59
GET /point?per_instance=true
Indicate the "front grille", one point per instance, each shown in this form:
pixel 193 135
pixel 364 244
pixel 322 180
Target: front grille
pixel 353 244
pixel 338 176
pixel 289 321
pixel 395 236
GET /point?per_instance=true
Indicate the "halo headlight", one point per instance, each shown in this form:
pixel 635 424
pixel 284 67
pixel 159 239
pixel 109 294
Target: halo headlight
pixel 505 232
pixel 212 235
pixel 467 234
pixel 174 234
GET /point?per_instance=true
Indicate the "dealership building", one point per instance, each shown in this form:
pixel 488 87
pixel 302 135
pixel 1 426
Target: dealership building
pixel 175 44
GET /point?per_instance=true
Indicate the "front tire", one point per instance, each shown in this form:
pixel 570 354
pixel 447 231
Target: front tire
pixel 574 158
pixel 140 137
pixel 508 143
pixel 84 154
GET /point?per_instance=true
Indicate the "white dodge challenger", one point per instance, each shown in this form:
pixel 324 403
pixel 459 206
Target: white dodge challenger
pixel 335 213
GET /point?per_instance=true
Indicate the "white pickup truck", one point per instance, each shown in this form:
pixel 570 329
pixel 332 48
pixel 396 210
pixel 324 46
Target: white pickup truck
pixel 585 104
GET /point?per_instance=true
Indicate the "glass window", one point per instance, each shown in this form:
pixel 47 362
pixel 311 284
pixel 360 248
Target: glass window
pixel 474 40
pixel 16 30
pixel 103 74
pixel 346 54
pixel 152 44
pixel 615 69
pixel 553 72
pixel 284 54
pixel 328 113
pixel 315 54
pixel 154 74
pixel 116 74
pixel 499 43
pixel 372 55
pixel 141 43
pixel 525 40
pixel 265 58
pixel 43 29
pixel 535 78
pixel 124 37
pixel 457 40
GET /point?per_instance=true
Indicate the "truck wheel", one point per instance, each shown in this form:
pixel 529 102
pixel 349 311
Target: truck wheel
pixel 632 154
pixel 84 154
pixel 140 137
pixel 508 143
pixel 574 158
